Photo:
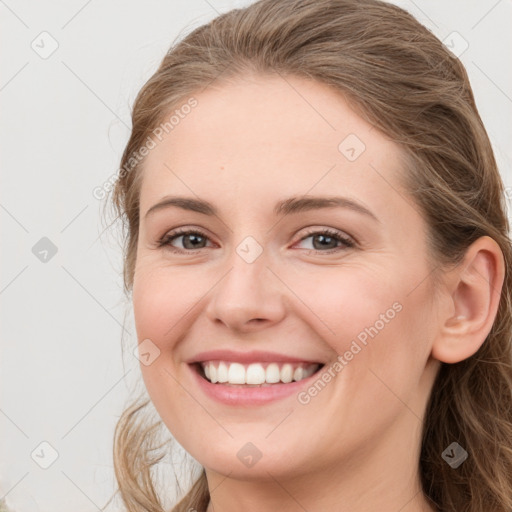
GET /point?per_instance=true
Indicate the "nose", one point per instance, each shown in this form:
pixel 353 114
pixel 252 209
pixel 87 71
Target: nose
pixel 248 297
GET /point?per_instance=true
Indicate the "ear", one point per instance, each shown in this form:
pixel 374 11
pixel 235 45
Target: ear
pixel 473 294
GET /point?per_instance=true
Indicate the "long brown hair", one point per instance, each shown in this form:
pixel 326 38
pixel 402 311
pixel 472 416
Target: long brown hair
pixel 398 76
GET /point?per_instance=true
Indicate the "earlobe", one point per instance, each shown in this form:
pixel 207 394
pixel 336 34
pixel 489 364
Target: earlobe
pixel 474 291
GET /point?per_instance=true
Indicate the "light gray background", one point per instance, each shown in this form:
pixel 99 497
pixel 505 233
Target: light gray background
pixel 65 120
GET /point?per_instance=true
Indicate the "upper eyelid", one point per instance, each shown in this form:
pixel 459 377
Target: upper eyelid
pixel 337 232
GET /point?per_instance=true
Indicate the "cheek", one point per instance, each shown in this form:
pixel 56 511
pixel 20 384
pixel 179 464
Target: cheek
pixel 372 319
pixel 380 331
pixel 345 302
pixel 163 302
pixel 162 299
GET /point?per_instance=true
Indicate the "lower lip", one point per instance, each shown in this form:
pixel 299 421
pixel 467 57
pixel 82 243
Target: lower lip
pixel 231 395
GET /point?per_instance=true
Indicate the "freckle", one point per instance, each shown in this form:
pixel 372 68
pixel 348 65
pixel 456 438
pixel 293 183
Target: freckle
pixel 222 167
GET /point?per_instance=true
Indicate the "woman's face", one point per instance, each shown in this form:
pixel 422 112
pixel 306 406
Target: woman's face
pixel 259 274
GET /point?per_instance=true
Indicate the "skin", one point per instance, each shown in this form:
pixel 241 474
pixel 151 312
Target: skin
pixel 355 446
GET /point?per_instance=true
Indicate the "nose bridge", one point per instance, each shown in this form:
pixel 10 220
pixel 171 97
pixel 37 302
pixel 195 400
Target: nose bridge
pixel 247 281
pixel 246 292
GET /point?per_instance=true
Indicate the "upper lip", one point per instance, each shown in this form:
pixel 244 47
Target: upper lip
pixel 253 356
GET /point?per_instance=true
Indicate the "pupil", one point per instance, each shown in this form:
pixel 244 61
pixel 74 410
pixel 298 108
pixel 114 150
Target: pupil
pixel 324 238
pixel 194 239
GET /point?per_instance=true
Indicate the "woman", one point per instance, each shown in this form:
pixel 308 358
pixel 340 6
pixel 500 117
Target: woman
pixel 318 251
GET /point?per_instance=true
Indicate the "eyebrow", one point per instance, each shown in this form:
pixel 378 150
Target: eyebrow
pixel 284 207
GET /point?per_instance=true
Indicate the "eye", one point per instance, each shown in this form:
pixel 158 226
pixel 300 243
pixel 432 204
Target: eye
pixel 324 240
pixel 191 240
pixel 327 240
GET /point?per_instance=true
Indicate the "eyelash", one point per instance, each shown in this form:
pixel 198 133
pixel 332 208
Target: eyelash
pixel 166 240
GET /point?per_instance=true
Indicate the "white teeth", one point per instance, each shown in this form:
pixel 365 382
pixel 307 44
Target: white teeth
pixel 236 373
pixel 298 374
pixel 287 373
pixel 272 374
pixel 222 372
pixel 255 374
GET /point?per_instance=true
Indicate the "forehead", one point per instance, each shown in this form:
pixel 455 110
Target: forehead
pixel 271 136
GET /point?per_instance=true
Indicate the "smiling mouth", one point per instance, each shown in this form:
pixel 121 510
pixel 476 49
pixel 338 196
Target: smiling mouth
pixel 233 374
